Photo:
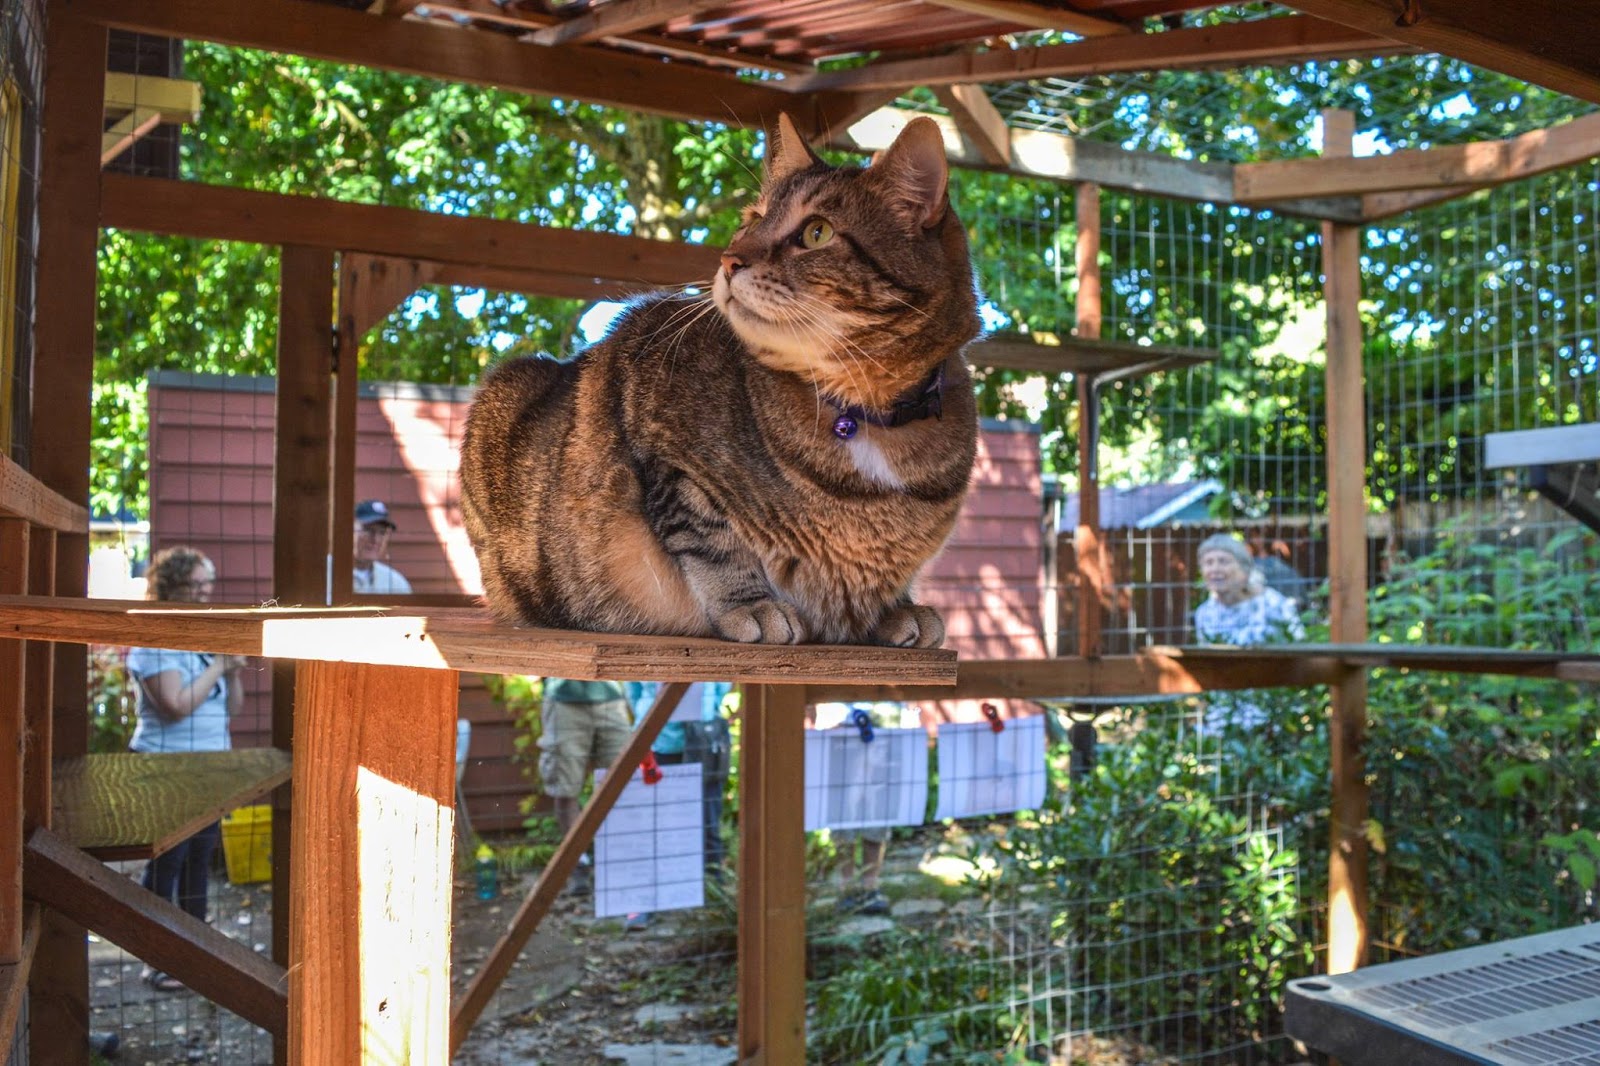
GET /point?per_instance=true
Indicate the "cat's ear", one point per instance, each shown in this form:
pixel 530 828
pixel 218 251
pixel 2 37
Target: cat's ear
pixel 787 151
pixel 916 169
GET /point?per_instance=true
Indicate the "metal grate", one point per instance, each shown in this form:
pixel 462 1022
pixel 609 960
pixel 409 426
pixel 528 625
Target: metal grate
pixel 1535 999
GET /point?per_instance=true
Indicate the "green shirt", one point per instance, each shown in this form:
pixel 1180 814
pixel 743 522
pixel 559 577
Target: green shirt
pixel 565 690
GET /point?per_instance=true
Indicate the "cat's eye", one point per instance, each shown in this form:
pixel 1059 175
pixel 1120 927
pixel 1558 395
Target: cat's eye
pixel 815 233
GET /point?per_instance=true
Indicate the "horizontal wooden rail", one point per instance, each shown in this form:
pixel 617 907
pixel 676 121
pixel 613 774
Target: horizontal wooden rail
pixel 217 212
pixel 24 496
pixel 447 639
pixel 1166 670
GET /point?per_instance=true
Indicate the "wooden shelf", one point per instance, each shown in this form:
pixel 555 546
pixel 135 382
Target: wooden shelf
pixel 1566 666
pixel 135 805
pixel 1105 360
pixel 459 639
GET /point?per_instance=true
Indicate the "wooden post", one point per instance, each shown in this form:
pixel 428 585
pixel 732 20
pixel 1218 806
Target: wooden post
pixel 369 933
pixel 1347 569
pixel 772 875
pixel 300 526
pixel 13 581
pixel 39 670
pixel 1093 583
pixel 63 372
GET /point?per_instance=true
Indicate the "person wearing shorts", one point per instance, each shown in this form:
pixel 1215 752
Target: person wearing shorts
pixel 586 724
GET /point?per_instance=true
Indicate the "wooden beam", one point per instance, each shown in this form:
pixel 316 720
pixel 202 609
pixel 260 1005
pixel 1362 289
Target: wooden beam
pixel 1094 579
pixel 40 690
pixel 619 17
pixel 63 373
pixel 324 31
pixel 1444 167
pixel 26 497
pixel 373 829
pixel 555 873
pixel 190 209
pixel 772 875
pixel 156 930
pixel 1378 206
pixel 447 639
pixel 1039 17
pixel 13 580
pixel 1264 42
pixel 492 13
pixel 979 121
pixel 1040 154
pixel 1547 42
pixel 1347 571
pixel 1157 671
pixel 372 286
pixel 1081 355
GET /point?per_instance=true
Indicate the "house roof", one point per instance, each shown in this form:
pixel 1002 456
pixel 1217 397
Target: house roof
pixel 1139 506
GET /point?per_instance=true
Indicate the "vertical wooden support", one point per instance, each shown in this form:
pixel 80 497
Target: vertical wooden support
pixel 300 530
pixel 13 581
pixel 1347 569
pixel 369 934
pixel 63 371
pixel 1094 583
pixel 39 670
pixel 772 876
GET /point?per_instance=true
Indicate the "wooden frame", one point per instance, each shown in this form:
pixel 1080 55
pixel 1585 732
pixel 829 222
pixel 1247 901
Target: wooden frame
pixel 419 652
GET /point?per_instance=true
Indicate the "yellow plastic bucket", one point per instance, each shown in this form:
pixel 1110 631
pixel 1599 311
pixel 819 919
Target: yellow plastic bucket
pixel 247 844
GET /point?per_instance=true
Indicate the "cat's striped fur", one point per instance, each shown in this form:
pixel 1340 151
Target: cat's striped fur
pixel 682 476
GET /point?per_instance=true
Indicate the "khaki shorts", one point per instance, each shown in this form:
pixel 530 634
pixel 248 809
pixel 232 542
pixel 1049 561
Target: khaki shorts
pixel 578 738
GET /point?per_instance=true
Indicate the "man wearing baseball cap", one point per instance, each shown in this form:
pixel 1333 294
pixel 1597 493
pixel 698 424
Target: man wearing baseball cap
pixel 372 574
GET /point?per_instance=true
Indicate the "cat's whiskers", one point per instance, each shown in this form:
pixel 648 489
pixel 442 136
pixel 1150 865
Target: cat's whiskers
pixel 698 312
pixel 820 325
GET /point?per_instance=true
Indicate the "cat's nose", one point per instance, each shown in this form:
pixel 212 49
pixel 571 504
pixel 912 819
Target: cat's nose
pixel 732 264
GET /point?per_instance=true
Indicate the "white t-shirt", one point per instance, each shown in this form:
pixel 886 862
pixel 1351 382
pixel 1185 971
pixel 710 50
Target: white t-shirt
pixel 382 580
pixel 206 729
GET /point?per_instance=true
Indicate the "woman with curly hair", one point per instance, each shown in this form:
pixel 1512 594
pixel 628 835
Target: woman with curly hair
pixel 186 700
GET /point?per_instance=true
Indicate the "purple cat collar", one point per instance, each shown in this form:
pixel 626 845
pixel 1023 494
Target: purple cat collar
pixel 924 401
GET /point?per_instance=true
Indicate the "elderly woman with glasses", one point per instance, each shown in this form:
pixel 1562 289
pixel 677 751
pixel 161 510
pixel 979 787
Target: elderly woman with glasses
pixel 186 701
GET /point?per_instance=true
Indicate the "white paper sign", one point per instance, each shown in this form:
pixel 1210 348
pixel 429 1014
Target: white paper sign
pixel 984 772
pixel 649 854
pixel 856 784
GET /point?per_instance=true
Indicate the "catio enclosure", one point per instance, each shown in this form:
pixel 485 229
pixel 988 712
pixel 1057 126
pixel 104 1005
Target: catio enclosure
pixel 1185 280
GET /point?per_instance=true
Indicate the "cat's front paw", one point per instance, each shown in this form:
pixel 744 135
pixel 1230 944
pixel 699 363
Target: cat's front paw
pixel 910 625
pixel 764 622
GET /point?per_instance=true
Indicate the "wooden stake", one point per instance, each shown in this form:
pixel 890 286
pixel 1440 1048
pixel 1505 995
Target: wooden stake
pixel 1347 569
pixel 772 881
pixel 13 581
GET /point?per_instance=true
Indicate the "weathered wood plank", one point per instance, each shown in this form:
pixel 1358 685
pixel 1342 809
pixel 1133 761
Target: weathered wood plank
pixel 134 805
pixel 14 976
pixel 460 640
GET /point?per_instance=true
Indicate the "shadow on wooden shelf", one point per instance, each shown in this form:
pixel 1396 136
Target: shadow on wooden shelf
pixel 135 805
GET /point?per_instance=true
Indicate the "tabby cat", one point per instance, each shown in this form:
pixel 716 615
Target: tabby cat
pixel 773 463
